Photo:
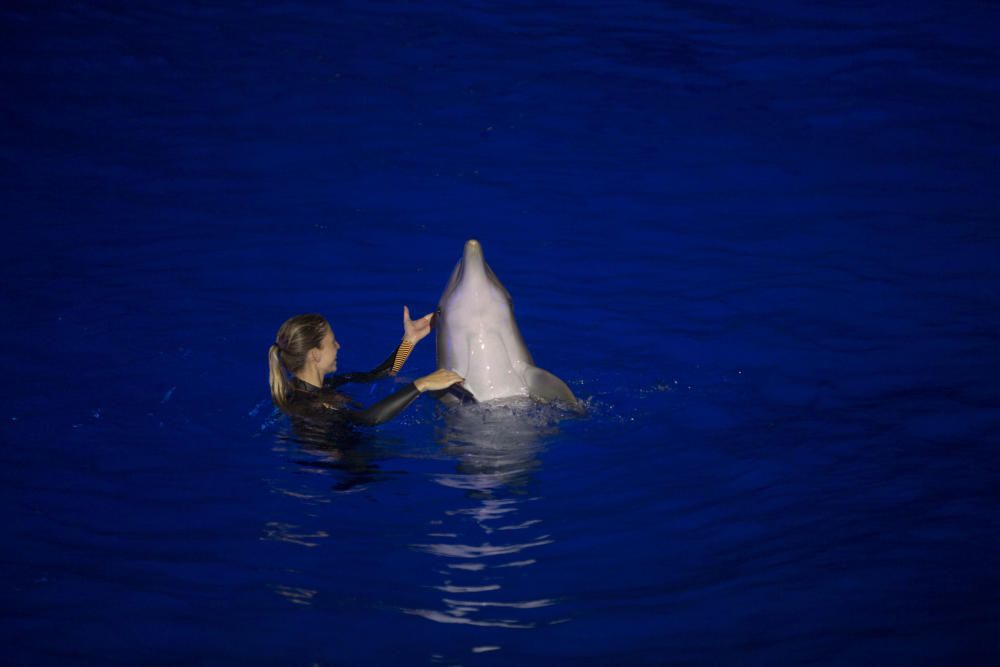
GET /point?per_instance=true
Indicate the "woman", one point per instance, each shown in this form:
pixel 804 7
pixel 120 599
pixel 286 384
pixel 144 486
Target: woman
pixel 306 349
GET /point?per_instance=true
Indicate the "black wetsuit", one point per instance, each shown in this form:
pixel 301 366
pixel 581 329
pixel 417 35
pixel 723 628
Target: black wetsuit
pixel 329 405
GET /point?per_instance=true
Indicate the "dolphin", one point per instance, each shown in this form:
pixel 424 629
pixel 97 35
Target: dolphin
pixel 478 338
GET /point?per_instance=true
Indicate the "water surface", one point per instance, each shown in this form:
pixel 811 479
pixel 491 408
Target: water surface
pixel 760 241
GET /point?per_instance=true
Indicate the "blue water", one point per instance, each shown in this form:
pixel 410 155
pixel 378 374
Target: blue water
pixel 759 241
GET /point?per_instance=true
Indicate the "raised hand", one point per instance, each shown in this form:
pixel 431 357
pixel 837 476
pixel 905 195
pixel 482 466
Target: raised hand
pixel 414 331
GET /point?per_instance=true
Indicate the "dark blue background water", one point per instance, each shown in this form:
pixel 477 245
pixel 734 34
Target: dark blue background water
pixel 759 240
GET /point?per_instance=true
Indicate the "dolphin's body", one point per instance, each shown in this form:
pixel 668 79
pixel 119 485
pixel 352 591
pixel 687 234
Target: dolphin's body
pixel 478 338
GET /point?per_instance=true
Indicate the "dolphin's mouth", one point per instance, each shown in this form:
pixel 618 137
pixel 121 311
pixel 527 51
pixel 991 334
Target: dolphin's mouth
pixel 473 273
pixel 473 251
pixel 473 261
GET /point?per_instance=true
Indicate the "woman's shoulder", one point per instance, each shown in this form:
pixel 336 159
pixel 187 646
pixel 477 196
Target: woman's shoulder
pixel 308 400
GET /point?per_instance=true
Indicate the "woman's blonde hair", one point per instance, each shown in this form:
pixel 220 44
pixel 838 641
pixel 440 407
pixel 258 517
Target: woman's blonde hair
pixel 287 353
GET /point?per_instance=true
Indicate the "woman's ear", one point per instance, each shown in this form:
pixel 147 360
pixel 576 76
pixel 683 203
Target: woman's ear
pixel 314 355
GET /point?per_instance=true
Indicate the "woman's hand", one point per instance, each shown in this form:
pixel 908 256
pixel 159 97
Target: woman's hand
pixel 414 331
pixel 442 378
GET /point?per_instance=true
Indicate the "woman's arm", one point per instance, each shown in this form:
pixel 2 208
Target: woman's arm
pixel 385 409
pixel 391 406
pixel 413 332
pixel 336 406
pixel 384 369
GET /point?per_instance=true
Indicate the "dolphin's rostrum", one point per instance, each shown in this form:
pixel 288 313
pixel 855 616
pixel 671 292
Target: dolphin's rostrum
pixel 478 338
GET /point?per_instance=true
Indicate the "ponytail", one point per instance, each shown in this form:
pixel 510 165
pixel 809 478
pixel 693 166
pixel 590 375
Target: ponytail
pixel 277 378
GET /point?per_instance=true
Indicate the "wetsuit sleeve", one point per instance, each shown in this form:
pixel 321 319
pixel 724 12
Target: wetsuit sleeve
pixel 384 410
pixel 390 366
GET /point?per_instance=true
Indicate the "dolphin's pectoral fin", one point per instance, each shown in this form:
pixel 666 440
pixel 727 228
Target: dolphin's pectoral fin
pixel 545 386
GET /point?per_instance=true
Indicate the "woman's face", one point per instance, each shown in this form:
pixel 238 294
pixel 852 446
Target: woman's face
pixel 328 354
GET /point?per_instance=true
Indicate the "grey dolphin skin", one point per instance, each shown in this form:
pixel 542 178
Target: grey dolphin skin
pixel 478 338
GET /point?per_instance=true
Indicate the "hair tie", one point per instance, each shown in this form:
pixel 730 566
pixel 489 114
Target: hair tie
pixel 281 360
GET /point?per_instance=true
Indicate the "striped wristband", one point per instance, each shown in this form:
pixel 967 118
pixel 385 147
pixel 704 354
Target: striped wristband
pixel 401 354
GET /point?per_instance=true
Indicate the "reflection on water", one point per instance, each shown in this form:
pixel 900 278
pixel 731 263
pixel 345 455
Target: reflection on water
pixel 326 449
pixel 295 594
pixel 483 539
pixel 495 443
pixel 334 447
pixel 496 446
pixel 293 534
